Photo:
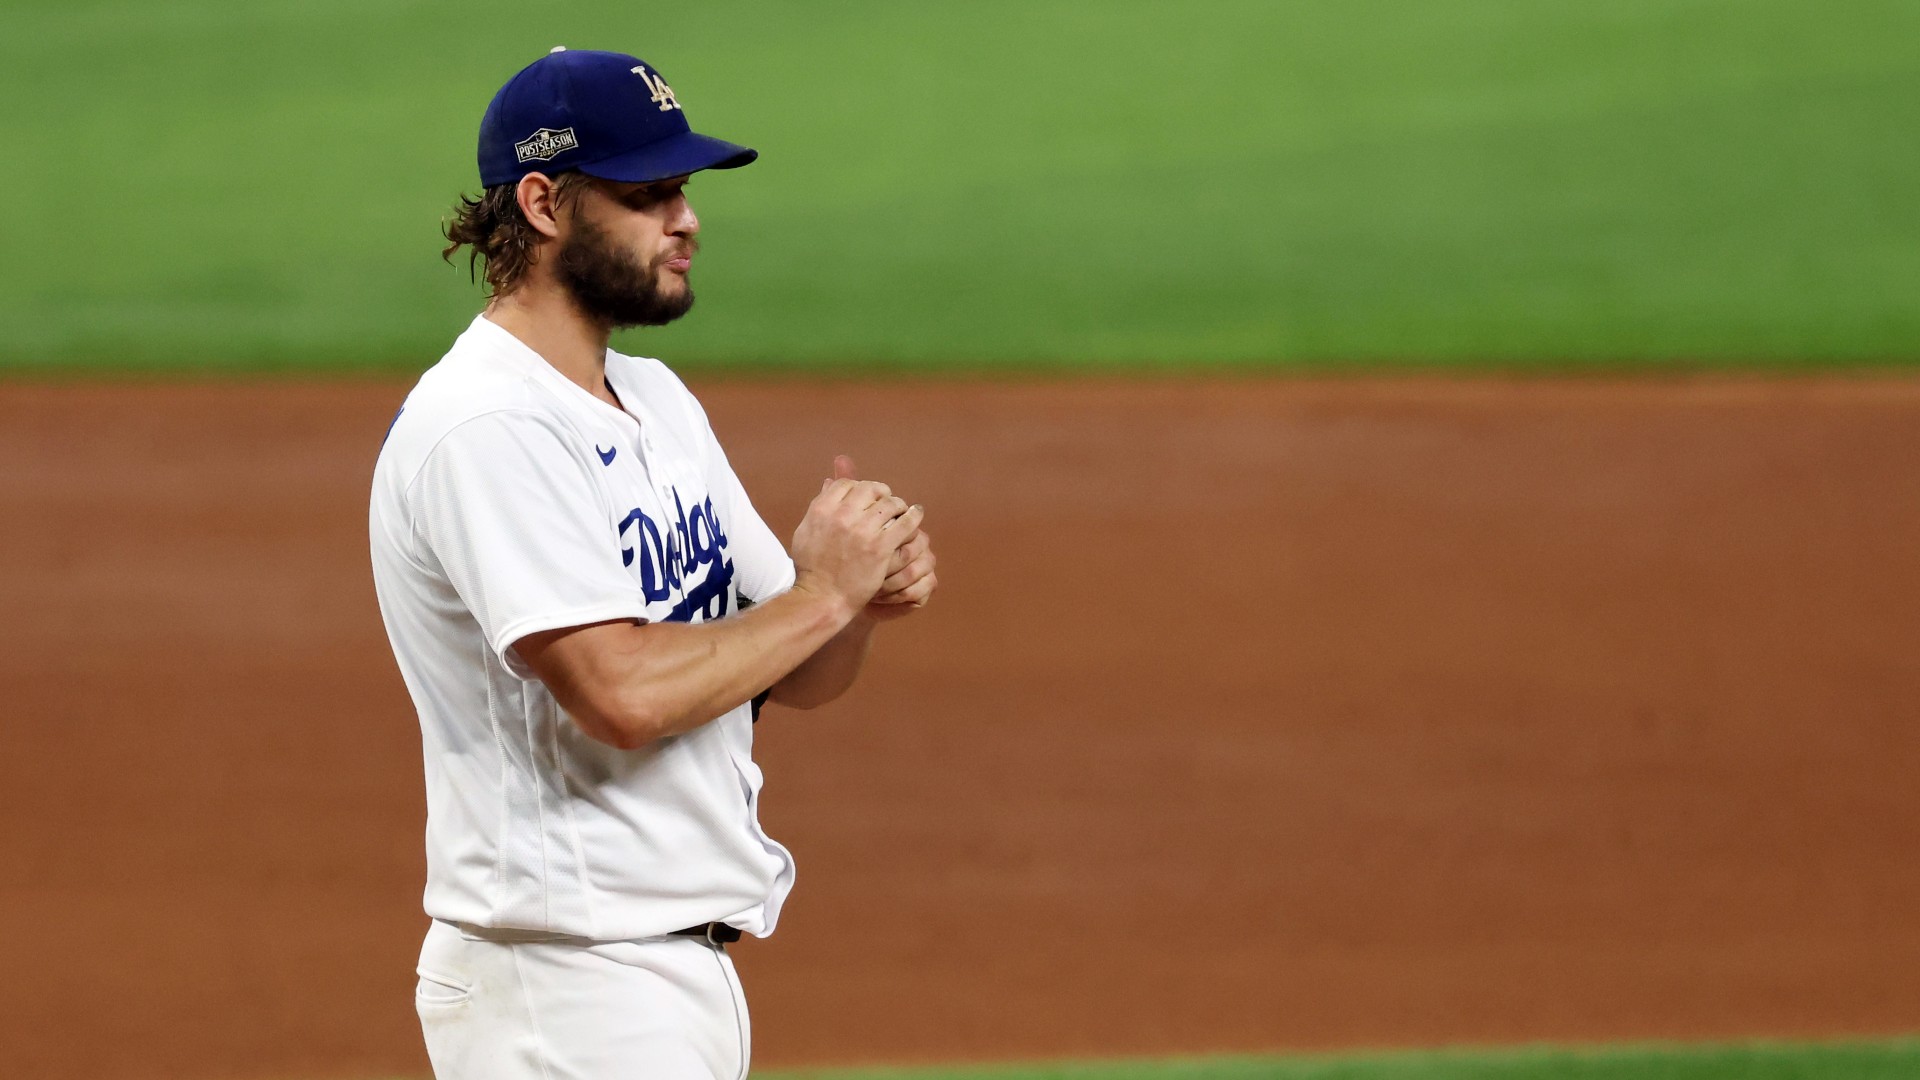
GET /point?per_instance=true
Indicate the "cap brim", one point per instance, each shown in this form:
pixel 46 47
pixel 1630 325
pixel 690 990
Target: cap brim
pixel 675 155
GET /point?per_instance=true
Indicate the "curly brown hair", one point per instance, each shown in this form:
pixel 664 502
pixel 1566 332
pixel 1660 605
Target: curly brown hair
pixel 503 243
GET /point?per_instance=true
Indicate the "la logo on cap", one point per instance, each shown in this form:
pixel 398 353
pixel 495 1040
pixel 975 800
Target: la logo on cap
pixel 662 93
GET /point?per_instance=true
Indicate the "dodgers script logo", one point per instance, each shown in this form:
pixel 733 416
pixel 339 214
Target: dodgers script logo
pixel 543 144
pixel 673 553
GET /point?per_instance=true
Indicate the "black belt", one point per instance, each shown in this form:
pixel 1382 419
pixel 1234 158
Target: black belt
pixel 717 932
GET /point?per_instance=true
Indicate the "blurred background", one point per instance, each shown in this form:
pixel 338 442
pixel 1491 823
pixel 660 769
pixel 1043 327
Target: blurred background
pixel 224 185
pixel 1426 496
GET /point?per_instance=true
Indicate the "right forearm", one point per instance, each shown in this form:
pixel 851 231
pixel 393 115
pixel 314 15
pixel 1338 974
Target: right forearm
pixel 678 676
pixel 628 684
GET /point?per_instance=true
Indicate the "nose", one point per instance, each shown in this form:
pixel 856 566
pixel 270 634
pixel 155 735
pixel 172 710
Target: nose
pixel 685 223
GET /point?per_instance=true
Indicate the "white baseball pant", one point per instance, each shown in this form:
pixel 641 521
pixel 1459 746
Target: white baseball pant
pixel 528 1006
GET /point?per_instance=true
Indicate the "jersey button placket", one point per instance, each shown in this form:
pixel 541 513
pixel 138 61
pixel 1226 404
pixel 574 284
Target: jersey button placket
pixel 662 498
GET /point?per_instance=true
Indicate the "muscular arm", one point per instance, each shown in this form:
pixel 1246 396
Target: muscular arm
pixel 910 582
pixel 830 671
pixel 627 685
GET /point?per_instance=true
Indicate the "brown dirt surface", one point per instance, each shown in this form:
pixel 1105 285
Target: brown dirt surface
pixel 1253 714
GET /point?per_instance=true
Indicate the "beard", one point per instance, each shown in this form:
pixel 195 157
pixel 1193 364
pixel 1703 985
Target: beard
pixel 610 286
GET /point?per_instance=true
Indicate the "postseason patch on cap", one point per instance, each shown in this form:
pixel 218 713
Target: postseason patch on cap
pixel 542 145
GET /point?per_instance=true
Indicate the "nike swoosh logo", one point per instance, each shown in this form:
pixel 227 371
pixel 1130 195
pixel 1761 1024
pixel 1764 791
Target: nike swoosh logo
pixel 606 456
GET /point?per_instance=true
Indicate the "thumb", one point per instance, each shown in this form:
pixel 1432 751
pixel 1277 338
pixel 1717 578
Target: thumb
pixel 843 468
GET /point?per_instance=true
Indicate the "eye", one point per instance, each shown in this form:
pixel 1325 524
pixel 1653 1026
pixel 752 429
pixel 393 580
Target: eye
pixel 652 195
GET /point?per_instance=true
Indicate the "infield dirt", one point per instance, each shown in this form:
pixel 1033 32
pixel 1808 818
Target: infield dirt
pixel 1253 714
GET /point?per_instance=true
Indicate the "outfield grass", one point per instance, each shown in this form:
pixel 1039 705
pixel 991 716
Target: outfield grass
pixel 1810 1061
pixel 224 183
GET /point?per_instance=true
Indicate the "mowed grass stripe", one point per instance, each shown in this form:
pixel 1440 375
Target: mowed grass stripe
pixel 1883 1059
pixel 1877 1060
pixel 226 184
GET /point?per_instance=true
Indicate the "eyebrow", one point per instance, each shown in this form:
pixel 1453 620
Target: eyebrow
pixel 652 188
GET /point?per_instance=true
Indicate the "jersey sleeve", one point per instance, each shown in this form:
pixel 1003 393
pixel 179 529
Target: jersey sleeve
pixel 761 565
pixel 522 530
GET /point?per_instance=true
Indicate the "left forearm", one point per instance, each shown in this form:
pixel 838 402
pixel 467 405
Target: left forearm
pixel 829 672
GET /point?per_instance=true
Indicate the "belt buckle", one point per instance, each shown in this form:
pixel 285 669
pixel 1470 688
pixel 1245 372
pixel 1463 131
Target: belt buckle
pixel 714 933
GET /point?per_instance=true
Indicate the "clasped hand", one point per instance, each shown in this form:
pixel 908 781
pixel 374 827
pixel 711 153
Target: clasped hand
pixel 866 546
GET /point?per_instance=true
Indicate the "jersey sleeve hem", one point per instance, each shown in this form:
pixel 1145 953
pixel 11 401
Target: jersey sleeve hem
pixel 511 633
pixel 782 582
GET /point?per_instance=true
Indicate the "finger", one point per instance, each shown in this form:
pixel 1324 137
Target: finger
pixel 918 563
pixel 917 593
pixel 908 552
pixel 889 598
pixel 911 550
pixel 905 525
pixel 835 490
pixel 864 493
pixel 843 468
pixel 909 576
pixel 908 521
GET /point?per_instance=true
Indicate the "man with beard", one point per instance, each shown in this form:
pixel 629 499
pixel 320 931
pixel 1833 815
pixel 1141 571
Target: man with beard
pixel 562 555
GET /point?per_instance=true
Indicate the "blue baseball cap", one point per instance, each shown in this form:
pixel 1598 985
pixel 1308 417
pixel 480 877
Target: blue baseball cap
pixel 606 114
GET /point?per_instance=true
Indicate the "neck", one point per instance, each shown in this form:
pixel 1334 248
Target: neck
pixel 546 321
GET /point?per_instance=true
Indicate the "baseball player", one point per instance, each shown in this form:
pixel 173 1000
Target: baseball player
pixel 562 556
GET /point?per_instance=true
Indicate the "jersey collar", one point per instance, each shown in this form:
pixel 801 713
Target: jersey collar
pixel 525 359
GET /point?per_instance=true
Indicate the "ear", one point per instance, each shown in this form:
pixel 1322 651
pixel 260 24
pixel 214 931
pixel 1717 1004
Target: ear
pixel 534 193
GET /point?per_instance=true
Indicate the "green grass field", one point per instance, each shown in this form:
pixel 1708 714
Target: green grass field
pixel 1850 1060
pixel 1808 1061
pixel 217 183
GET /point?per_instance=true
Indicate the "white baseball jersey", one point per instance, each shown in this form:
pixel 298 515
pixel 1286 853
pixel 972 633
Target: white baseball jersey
pixel 508 500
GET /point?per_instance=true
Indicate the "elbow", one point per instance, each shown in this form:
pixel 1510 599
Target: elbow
pixel 636 729
pixel 792 700
pixel 621 725
pixel 626 738
pixel 790 696
pixel 610 691
pixel 642 720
